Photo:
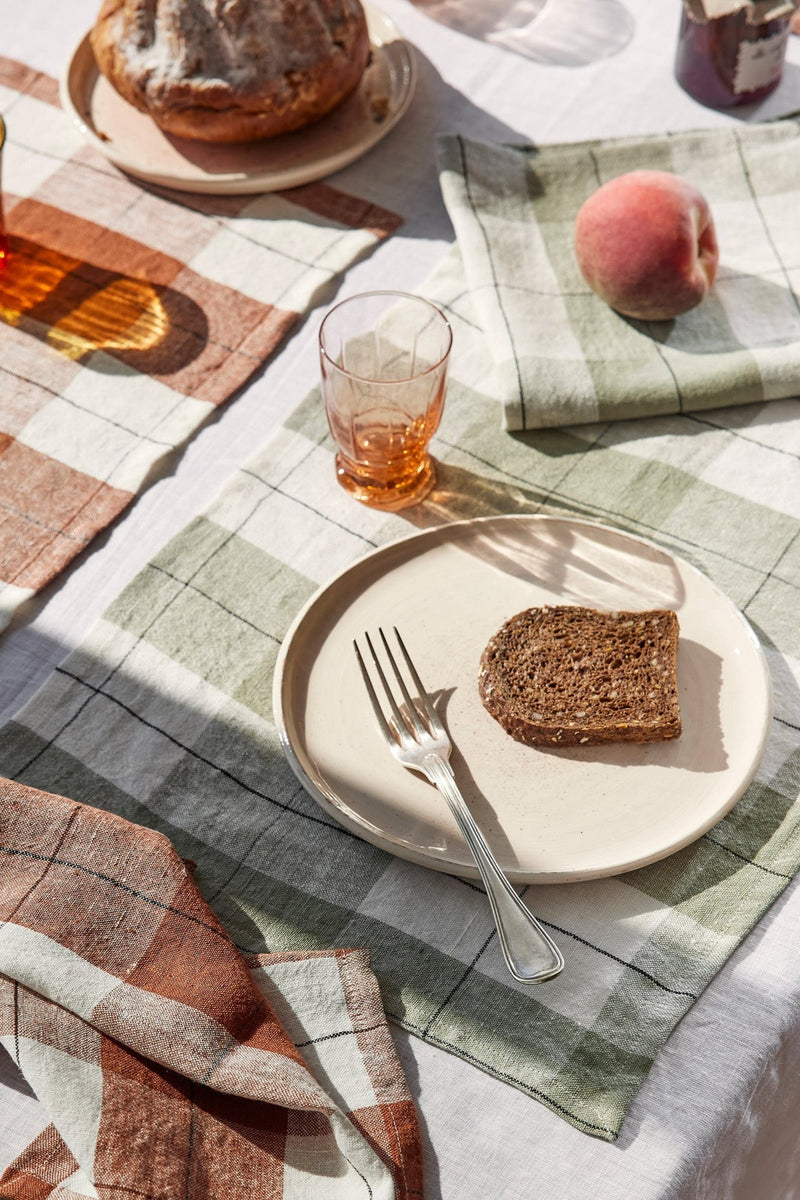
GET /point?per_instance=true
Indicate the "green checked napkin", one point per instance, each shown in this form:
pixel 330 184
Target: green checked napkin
pixel 560 354
pixel 164 716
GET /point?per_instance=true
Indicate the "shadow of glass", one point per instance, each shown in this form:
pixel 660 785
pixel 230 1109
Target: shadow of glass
pixel 616 570
pixel 462 495
pixel 566 33
pixel 78 308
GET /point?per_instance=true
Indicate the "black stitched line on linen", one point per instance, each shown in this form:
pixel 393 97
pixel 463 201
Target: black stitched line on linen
pixel 743 858
pixel 82 408
pixel 123 1187
pixel 470 883
pixel 576 937
pixel 740 435
pixel 449 307
pixel 313 265
pixel 764 225
pixel 41 858
pixel 772 574
pixel 215 550
pixel 555 293
pixel 70 537
pixel 145 437
pixel 361 1176
pixel 623 962
pixel 554 494
pixel 468 192
pixel 289 807
pixel 458 983
pixel 596 167
pixel 218 221
pixel 16 1023
pixel 660 352
pixel 100 484
pixel 479 1062
pixel 277 487
pixel 53 859
pixel 342 1033
pixel 218 603
pixel 33 382
pixel 98 691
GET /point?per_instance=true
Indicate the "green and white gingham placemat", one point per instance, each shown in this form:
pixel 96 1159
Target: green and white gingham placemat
pixel 164 716
pixel 561 354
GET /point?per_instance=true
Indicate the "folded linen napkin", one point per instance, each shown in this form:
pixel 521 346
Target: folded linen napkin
pixel 127 315
pixel 168 1062
pixel 561 355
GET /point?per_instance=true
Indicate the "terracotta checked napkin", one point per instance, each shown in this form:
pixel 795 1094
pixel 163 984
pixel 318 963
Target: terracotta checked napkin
pixel 171 1065
pixel 127 315
pixel 560 355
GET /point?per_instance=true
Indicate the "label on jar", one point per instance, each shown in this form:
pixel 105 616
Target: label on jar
pixel 760 63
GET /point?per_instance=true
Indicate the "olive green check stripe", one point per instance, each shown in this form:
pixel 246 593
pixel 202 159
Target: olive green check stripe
pixel 164 716
pixel 561 355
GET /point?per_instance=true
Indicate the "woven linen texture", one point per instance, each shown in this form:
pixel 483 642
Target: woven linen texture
pixel 169 1063
pixel 164 715
pixel 128 313
pixel 561 355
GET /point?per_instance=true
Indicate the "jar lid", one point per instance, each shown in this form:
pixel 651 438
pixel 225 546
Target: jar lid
pixel 757 10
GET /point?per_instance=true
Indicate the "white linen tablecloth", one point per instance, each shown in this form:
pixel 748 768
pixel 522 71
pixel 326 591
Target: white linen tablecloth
pixel 716 1118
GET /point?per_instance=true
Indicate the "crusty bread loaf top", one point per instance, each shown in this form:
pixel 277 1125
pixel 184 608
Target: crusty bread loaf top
pixel 567 675
pixel 232 70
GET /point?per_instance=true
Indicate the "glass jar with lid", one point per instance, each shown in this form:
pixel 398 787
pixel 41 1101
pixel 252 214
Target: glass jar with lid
pixel 732 51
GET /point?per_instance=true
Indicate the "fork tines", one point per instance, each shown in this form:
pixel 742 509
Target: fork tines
pixel 415 710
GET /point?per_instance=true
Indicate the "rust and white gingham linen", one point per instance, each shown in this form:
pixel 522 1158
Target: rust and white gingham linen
pixel 171 1065
pixel 127 315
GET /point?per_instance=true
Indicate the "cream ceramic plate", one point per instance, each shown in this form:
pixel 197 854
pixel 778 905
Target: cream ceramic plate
pixel 133 142
pixel 549 815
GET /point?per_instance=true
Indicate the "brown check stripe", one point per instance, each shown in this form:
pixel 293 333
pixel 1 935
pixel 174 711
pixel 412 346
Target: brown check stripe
pixel 127 314
pixel 185 1082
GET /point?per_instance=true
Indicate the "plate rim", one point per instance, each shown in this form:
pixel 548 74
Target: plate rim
pixel 238 183
pixel 387 842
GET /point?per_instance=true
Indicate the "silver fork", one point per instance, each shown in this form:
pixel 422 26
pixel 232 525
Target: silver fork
pixel 419 741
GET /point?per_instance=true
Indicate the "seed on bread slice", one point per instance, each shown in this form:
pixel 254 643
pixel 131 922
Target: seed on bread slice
pixel 564 675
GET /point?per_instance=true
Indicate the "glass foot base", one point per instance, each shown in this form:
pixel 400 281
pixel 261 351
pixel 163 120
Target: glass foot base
pixel 388 496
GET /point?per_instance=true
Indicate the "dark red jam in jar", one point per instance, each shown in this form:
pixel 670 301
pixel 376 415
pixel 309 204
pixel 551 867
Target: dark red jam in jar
pixel 730 60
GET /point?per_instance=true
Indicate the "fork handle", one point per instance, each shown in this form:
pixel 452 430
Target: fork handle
pixel 530 953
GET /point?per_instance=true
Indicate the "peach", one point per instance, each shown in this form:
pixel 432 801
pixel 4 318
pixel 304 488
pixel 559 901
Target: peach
pixel 646 244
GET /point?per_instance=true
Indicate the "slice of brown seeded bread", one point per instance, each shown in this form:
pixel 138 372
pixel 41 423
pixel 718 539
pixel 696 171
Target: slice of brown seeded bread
pixel 568 676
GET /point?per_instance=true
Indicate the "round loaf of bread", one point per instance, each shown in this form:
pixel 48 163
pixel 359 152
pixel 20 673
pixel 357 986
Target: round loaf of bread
pixel 565 675
pixel 232 70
